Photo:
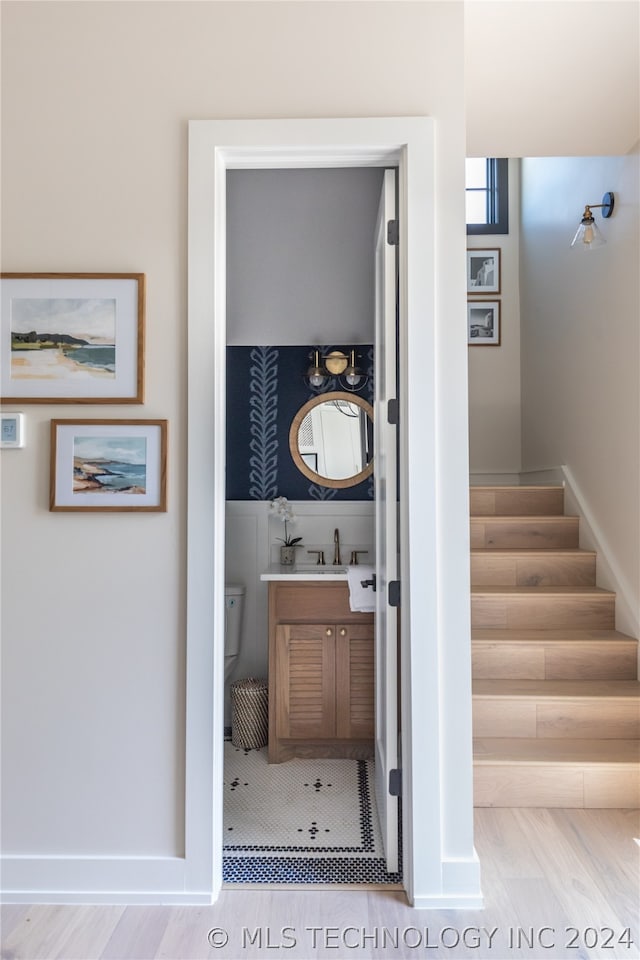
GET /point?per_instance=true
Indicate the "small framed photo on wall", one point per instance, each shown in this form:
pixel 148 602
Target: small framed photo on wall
pixel 483 323
pixel 483 271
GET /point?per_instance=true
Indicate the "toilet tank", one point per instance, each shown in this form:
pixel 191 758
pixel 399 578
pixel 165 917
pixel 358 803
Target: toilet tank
pixel 233 606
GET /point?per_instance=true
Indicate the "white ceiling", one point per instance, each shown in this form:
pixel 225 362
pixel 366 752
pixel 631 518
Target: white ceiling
pixel 570 67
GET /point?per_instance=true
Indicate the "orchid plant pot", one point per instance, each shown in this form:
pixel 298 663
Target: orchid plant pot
pixel 287 555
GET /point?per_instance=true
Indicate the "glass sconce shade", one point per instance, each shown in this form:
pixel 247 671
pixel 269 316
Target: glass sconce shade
pixel 587 235
pixel 352 374
pixel 315 372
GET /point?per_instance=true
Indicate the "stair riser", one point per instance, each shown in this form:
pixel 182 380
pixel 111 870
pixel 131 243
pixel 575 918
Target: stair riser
pixel 544 612
pixel 497 534
pixel 555 785
pixel 576 571
pixel 588 718
pixel 557 661
pixel 516 501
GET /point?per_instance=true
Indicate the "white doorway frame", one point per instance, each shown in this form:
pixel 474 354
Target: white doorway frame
pixel 440 867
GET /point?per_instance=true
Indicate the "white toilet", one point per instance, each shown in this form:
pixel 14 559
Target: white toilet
pixel 233 606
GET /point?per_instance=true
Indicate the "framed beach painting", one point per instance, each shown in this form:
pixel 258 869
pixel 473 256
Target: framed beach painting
pixel 483 271
pixel 483 323
pixel 72 338
pixel 108 465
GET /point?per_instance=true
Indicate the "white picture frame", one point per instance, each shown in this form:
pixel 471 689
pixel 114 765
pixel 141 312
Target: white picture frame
pixel 483 323
pixel 483 270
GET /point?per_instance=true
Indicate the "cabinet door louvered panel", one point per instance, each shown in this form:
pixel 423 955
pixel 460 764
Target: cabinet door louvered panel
pixel 355 681
pixel 306 703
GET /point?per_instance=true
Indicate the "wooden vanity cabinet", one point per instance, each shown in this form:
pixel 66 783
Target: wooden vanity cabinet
pixel 321 682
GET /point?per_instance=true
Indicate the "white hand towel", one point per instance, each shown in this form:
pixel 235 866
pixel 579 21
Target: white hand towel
pixel 361 599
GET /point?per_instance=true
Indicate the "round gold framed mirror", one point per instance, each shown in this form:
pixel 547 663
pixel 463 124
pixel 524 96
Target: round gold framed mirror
pixel 331 439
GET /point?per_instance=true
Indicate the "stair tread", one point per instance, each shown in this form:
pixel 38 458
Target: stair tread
pixel 523 517
pixel 532 551
pixel 497 589
pixel 536 689
pixel 516 486
pixel 488 635
pixel 529 750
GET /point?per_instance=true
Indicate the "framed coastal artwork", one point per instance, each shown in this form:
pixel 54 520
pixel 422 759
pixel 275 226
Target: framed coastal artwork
pixel 108 465
pixel 483 323
pixel 483 271
pixel 72 338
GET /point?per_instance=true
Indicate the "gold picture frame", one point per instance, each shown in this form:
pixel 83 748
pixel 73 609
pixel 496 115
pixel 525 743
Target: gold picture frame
pixel 108 465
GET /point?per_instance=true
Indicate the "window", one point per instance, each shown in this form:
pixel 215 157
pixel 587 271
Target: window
pixel 487 195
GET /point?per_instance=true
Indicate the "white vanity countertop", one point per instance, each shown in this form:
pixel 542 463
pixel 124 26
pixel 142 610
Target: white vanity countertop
pixel 305 571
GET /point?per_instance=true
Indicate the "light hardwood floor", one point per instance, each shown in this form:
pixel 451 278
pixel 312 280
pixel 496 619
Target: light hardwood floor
pixel 560 879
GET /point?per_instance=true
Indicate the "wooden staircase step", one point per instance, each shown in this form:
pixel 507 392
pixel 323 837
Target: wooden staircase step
pixel 533 568
pixel 542 607
pixel 614 689
pixel 556 702
pixel 515 500
pixel 550 709
pixel 515 532
pixel 556 773
pixel 553 655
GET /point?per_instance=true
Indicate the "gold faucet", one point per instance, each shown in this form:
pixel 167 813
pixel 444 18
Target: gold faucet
pixel 336 554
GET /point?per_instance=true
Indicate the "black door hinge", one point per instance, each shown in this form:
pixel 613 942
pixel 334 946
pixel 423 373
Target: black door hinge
pixel 393 232
pixel 394 593
pixel 393 412
pixel 369 583
pixel 395 782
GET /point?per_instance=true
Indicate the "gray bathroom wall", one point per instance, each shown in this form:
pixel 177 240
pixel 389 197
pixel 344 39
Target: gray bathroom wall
pixel 300 255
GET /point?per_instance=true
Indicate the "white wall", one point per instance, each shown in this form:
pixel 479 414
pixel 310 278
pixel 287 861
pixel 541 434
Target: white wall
pixel 581 349
pixel 299 260
pixel 494 372
pixel 96 102
pixel 552 78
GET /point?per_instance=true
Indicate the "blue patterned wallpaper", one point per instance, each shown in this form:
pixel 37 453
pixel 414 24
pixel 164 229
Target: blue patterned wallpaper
pixel 265 389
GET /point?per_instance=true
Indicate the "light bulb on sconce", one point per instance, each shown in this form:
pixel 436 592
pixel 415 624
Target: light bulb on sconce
pixel 315 374
pixel 588 236
pixel 352 375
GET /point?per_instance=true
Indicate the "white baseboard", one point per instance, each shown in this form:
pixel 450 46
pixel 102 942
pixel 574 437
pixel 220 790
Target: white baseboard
pixel 609 574
pixel 460 888
pixel 552 475
pixel 99 880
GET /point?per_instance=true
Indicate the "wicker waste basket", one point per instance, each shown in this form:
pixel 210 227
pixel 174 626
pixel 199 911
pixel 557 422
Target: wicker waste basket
pixel 249 713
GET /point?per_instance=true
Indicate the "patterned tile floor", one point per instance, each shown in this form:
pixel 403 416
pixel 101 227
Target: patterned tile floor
pixel 304 821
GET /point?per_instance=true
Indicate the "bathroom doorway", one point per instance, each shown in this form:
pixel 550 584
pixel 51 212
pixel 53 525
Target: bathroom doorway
pixel 301 267
pixel 430 481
